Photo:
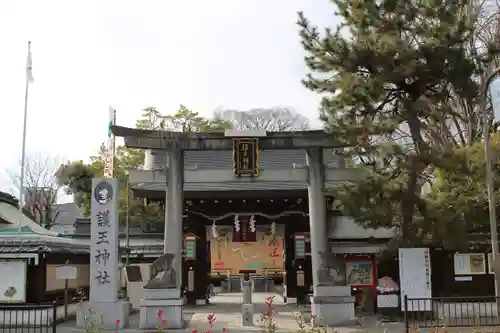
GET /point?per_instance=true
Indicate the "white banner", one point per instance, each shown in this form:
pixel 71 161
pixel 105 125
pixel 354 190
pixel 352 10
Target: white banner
pixel 109 155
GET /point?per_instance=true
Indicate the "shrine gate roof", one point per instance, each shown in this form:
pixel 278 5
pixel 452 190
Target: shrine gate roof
pixel 159 139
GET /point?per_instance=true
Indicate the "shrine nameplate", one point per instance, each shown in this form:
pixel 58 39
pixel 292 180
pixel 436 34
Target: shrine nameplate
pixel 246 157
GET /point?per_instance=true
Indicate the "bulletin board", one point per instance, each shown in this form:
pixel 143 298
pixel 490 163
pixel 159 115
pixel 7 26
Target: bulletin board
pixel 13 281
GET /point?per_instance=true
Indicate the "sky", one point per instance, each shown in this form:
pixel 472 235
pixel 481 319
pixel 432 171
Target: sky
pixel 129 54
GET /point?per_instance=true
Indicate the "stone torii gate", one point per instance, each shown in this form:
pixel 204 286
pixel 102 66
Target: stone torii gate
pixel 331 299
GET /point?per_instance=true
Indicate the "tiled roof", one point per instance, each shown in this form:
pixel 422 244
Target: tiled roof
pixel 9 213
pixel 36 246
pixel 16 230
pixel 220 159
pixel 8 198
pixel 227 186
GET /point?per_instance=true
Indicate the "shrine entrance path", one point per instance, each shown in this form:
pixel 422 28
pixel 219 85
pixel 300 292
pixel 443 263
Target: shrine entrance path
pixel 227 310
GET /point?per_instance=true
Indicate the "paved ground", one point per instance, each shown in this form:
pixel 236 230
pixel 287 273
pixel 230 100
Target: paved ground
pixel 227 309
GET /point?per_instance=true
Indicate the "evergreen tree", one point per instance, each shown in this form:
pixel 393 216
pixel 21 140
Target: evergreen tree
pixel 187 120
pixel 77 176
pixel 386 75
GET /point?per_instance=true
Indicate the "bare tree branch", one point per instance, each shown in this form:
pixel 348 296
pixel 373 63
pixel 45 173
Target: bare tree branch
pixel 462 123
pixel 41 187
pixel 278 119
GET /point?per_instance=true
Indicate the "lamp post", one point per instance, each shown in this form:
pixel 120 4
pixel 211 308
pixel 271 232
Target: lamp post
pixel 491 88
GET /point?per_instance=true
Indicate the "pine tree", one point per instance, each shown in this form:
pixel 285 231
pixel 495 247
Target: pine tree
pixel 77 176
pixel 386 75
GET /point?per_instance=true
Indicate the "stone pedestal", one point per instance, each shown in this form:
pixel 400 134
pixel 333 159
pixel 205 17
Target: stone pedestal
pixel 247 314
pixel 247 292
pixel 107 310
pixel 333 305
pixel 166 300
pixel 104 314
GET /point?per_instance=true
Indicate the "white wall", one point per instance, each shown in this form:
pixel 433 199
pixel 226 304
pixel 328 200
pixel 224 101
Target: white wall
pixel 343 227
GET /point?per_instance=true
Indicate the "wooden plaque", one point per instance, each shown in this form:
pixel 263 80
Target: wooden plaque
pixel 246 157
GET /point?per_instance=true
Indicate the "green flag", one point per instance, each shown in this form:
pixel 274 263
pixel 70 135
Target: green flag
pixel 109 128
pixel 112 120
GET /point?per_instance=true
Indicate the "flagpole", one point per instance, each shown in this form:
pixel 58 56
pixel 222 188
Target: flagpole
pixel 113 142
pixel 23 149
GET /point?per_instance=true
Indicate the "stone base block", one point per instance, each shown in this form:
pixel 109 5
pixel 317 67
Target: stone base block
pixel 201 302
pixel 335 311
pixel 172 313
pixel 104 314
pixel 332 291
pixel 333 305
pixel 247 314
pixel 170 293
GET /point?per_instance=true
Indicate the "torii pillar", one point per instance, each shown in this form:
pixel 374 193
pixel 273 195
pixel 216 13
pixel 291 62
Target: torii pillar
pixel 169 300
pixel 331 302
pixel 174 206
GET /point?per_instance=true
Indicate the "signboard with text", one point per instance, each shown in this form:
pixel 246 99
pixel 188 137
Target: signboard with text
pixel 469 263
pixel 104 244
pixel 246 157
pixel 190 246
pixel 415 278
pixel 66 272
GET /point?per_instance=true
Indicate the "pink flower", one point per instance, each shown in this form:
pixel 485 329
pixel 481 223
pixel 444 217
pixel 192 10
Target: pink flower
pixel 160 313
pixel 270 300
pixel 194 331
pixel 211 318
pixel 164 321
pixel 118 322
pixel 225 329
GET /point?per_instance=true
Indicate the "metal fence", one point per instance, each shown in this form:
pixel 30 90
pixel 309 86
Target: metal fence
pixel 450 311
pixel 36 318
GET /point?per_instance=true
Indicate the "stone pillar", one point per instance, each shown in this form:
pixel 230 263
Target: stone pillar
pixel 174 210
pixel 168 300
pixel 331 302
pixel 104 259
pixel 317 211
pixel 247 292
